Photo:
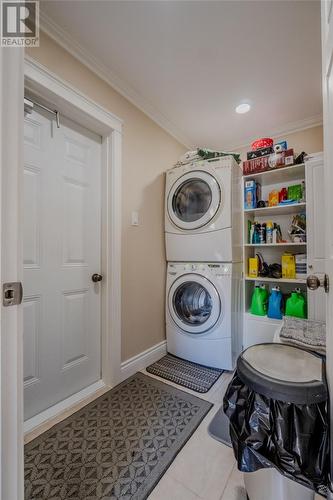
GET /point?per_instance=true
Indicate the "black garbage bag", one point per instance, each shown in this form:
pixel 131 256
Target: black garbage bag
pixel 292 438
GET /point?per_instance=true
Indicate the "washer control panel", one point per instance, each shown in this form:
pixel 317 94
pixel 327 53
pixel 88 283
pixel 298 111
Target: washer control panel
pixel 197 267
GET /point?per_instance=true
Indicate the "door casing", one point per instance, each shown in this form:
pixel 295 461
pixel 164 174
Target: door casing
pixel 327 82
pixel 11 268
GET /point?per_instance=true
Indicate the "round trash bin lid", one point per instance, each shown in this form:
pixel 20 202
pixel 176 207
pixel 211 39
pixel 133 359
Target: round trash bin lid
pixel 283 372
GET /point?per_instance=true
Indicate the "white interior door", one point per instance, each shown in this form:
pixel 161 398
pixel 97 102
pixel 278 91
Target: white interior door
pixel 62 250
pixel 327 65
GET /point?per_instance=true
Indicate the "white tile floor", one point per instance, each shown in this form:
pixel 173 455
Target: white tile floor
pixel 204 469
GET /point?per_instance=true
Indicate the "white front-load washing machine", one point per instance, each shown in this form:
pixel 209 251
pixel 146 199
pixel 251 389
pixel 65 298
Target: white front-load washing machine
pixel 203 211
pixel 203 313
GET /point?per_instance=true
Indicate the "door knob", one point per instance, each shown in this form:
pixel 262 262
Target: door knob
pixel 96 278
pixel 314 282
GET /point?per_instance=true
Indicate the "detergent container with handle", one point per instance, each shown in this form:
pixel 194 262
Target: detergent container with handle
pixel 275 303
pixel 259 301
pixel 296 305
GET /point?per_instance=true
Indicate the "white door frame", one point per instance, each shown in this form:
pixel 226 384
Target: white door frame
pixel 15 73
pixel 11 339
pixel 327 68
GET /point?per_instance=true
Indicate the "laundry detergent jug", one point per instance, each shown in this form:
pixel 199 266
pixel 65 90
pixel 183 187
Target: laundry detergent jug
pixel 296 305
pixel 259 301
pixel 275 304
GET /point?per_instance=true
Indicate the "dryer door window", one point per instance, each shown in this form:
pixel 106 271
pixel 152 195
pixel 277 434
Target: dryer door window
pixel 194 200
pixel 194 304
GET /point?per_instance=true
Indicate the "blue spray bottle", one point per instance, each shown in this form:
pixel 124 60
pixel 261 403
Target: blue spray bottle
pixel 275 304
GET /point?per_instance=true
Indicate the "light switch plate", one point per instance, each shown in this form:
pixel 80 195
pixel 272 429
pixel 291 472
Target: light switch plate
pixel 135 218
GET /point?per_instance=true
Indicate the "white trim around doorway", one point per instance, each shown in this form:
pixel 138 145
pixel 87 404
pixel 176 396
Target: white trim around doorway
pixel 11 340
pixel 52 90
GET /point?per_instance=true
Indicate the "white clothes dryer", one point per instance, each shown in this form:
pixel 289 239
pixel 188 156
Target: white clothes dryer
pixel 203 211
pixel 203 313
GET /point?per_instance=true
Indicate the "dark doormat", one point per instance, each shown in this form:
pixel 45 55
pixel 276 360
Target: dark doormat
pixel 118 446
pixel 219 428
pixel 197 377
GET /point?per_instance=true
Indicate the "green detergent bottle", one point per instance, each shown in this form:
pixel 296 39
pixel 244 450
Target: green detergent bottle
pixel 259 301
pixel 296 305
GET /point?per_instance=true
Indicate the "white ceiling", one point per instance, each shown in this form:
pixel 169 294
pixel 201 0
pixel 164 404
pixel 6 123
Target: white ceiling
pixel 189 63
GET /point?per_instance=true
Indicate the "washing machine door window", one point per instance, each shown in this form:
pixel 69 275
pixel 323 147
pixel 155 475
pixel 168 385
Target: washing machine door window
pixel 194 304
pixel 194 200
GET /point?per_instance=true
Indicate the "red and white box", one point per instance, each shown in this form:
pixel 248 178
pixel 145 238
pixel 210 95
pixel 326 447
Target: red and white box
pixel 256 165
pixel 283 159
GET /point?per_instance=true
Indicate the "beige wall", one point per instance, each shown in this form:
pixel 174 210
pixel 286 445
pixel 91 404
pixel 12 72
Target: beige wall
pixel 147 152
pixel 309 140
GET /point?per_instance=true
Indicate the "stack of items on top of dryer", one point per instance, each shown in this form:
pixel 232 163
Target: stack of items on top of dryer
pixel 203 154
pixel 203 248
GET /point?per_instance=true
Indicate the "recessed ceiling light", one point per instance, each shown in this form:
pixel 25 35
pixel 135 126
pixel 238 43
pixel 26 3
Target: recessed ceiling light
pixel 243 108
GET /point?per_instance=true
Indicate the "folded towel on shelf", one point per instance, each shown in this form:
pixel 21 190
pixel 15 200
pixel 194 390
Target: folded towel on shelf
pixel 305 333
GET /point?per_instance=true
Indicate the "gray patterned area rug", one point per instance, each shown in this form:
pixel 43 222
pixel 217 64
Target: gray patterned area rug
pixel 197 377
pixel 116 447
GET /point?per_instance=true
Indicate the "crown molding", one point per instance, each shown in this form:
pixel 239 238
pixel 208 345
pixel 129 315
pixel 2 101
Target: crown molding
pixel 65 40
pixel 290 128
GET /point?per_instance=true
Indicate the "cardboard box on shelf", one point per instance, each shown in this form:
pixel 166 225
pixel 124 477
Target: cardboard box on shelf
pixel 258 153
pixel 269 162
pixel 252 194
pixel 281 159
pixel 256 165
pixel 288 266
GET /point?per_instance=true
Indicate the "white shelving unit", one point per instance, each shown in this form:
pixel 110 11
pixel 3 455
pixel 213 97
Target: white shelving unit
pixel 293 208
pixel 281 280
pixel 261 329
pixel 281 245
pixel 278 175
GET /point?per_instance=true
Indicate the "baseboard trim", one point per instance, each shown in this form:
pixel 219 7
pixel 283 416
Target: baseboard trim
pixel 55 410
pixel 142 360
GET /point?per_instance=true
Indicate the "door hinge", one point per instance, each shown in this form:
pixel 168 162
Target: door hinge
pixel 12 293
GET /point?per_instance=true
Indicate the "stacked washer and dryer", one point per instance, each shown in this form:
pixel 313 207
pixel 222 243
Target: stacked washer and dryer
pixel 204 272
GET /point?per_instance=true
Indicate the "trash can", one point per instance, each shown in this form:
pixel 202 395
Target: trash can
pixel 277 405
